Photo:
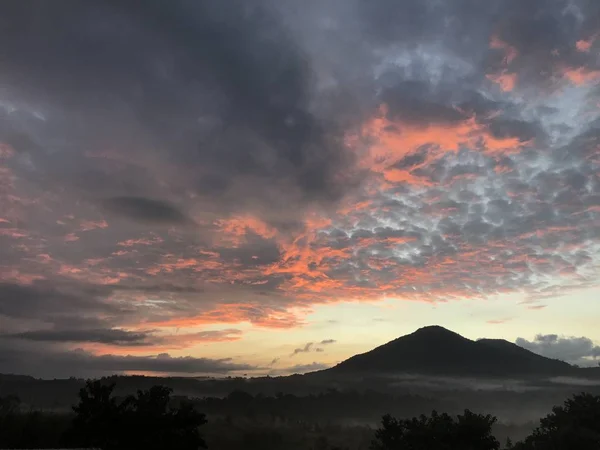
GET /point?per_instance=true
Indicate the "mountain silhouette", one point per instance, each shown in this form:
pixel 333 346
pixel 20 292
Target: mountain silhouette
pixel 437 351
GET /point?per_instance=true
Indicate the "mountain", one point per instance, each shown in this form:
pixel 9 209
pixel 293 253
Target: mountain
pixel 435 350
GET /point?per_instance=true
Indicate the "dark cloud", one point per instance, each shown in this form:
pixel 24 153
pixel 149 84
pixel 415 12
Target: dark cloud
pixel 50 301
pixel 164 363
pixel 413 102
pixel 269 157
pixel 575 350
pixel 103 336
pixel 223 91
pixel 307 348
pixel 310 346
pixel 507 128
pixel 62 364
pixel 146 210
pixel 301 368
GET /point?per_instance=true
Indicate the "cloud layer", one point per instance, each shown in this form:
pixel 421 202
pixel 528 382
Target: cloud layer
pixel 191 164
pixel 575 350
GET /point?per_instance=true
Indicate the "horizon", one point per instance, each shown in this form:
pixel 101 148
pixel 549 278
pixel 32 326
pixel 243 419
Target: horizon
pixel 286 374
pixel 194 188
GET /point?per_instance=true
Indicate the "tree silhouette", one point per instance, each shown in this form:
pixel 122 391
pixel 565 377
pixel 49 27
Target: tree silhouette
pixel 9 405
pixel 145 421
pixel 438 432
pixel 96 423
pixel 575 425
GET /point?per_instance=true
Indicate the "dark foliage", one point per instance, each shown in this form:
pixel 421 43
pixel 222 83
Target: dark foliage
pixel 575 425
pixel 31 429
pixel 145 421
pixel 153 419
pixel 437 432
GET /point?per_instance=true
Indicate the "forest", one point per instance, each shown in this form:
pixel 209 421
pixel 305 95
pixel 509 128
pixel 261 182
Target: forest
pixel 154 418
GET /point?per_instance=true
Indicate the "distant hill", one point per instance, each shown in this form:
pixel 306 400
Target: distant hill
pixel 431 351
pixel 435 350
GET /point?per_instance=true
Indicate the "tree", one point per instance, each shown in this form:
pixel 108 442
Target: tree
pixel 153 425
pixel 9 405
pixel 145 421
pixel 97 417
pixel 438 432
pixel 575 425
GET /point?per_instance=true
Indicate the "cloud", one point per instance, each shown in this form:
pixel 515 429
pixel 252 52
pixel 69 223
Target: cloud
pixel 145 210
pixel 132 340
pixel 575 350
pixel 161 363
pixel 300 369
pixel 310 346
pixel 57 364
pixel 266 159
pixel 103 336
pixel 58 302
pixel 499 321
pixel 258 128
pixel 307 348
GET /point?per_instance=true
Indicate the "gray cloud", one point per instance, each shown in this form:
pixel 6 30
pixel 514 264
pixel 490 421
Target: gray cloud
pixel 300 369
pixel 104 336
pixel 161 363
pixel 58 364
pixel 575 350
pixel 58 302
pixel 310 346
pixel 225 100
pixel 346 149
pixel 307 348
pixel 146 210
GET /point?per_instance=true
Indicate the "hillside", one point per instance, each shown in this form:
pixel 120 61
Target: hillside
pixel 436 350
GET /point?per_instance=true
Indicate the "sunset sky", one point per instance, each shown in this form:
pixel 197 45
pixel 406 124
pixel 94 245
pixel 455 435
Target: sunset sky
pixel 256 187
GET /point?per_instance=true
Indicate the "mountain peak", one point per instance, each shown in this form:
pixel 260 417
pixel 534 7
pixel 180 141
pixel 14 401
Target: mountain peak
pixel 437 350
pixel 433 329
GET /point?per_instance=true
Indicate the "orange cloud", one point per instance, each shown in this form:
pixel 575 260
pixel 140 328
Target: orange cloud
pixel 71 237
pixel 510 52
pixel 13 233
pixel 258 315
pixel 142 241
pixel 88 225
pixel 114 278
pixel 581 76
pixel 387 143
pixel 15 276
pixel 234 229
pixel 506 81
pixel 584 45
pixel 171 263
pixel 164 342
pixel 499 321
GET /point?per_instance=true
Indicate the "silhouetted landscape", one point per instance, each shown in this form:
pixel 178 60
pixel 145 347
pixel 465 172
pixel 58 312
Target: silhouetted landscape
pixel 225 224
pixel 341 407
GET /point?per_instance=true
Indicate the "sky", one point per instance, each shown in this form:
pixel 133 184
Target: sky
pixel 199 187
